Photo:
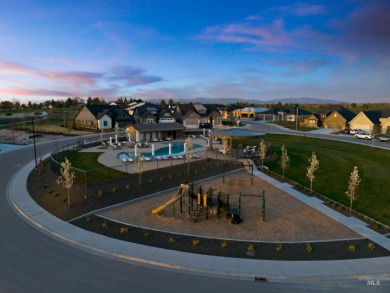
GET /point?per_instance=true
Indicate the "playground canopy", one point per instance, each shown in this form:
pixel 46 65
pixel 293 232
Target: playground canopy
pixel 233 133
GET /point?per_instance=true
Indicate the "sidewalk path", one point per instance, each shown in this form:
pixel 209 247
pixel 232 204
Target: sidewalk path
pixel 277 271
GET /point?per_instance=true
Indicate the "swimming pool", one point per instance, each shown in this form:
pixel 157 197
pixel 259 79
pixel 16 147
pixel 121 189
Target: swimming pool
pixel 176 148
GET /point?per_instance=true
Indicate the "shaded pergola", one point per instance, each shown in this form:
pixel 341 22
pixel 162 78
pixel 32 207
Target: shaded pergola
pixel 233 133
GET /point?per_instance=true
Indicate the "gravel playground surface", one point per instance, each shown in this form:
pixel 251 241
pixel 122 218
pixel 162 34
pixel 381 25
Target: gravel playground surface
pixel 287 219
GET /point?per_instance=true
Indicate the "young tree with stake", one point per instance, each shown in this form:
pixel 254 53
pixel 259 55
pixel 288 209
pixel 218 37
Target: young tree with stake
pixel 314 164
pixel 354 182
pixel 66 177
pixel 139 164
pixel 284 159
pixel 188 148
pixel 263 151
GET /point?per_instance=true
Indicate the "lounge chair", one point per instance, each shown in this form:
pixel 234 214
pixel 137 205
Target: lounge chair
pixel 180 157
pixel 130 160
pixel 124 160
pixel 147 158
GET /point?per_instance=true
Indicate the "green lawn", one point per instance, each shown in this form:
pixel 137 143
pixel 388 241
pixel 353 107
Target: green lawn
pixel 292 125
pixel 96 172
pixel 337 160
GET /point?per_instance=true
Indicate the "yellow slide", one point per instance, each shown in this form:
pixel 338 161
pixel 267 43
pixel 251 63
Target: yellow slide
pixel 180 192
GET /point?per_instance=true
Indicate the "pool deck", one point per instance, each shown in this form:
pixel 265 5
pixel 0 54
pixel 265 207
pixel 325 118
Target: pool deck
pixel 108 156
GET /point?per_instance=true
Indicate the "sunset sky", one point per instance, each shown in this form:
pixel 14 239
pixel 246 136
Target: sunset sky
pixel 184 49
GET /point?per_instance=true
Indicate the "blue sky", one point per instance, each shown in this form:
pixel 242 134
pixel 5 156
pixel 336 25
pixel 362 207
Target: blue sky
pixel 186 49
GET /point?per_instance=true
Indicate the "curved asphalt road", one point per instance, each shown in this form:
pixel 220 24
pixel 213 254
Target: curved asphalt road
pixel 33 262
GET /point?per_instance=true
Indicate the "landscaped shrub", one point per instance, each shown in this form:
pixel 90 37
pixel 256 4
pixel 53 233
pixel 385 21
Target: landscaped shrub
pixel 171 239
pixel 104 226
pixel 351 248
pixel 309 248
pixel 224 244
pixel 371 246
pixel 100 193
pixel 195 242
pixel 123 230
pixel 279 247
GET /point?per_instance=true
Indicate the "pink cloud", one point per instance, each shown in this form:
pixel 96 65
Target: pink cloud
pixel 270 36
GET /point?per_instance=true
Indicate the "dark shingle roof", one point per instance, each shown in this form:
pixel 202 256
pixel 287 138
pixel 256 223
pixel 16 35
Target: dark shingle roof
pixel 374 116
pixel 96 109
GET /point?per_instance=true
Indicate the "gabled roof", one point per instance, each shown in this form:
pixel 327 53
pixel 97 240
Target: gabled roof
pixel 186 107
pixel 146 109
pixel 374 116
pixel 96 109
pixel 211 108
pixel 345 113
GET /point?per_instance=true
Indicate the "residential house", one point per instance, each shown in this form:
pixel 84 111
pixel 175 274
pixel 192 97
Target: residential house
pixel 165 115
pixel 250 112
pixel 211 117
pixel 385 126
pixel 335 116
pixel 287 114
pixel 195 116
pixel 186 114
pixel 228 111
pixel 102 117
pixel 370 121
pixel 146 114
pixel 312 121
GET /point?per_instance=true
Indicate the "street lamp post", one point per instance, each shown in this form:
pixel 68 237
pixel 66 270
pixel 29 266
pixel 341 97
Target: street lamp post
pixel 35 149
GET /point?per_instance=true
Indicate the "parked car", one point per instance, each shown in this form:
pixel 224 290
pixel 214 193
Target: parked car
pixel 364 135
pixel 354 131
pixel 346 131
pixel 385 138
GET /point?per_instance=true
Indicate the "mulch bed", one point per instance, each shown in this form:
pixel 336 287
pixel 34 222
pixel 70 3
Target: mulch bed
pixel 332 250
pixel 43 188
pixel 47 193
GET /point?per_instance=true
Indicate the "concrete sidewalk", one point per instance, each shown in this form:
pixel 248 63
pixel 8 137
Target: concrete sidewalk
pixel 359 270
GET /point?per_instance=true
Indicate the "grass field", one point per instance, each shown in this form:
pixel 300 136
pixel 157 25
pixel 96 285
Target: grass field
pixel 96 172
pixel 337 160
pixel 292 125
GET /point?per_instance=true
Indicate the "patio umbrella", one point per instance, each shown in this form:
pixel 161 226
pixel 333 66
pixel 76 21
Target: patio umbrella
pixel 170 149
pixel 110 141
pixel 135 150
pixel 116 138
pixel 152 150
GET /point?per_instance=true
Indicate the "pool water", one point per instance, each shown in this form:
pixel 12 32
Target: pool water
pixel 176 148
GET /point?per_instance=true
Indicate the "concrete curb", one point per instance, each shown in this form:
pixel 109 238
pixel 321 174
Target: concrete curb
pixel 214 266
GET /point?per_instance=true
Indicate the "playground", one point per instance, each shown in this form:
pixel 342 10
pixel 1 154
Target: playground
pixel 286 218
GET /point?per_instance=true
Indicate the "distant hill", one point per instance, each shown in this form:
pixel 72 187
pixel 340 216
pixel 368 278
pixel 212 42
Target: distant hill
pixel 303 100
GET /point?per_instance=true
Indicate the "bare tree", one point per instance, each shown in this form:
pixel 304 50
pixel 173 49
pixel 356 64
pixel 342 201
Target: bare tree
pixel 314 164
pixel 284 160
pixel 139 164
pixel 66 177
pixel 263 151
pixel 354 182
pixel 188 148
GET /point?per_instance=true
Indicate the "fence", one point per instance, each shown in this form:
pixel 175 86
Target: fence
pixel 108 174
